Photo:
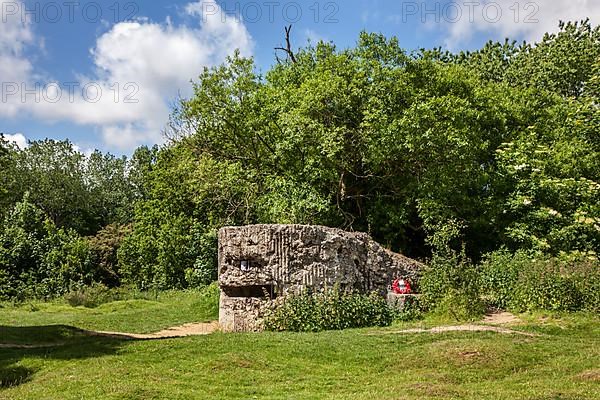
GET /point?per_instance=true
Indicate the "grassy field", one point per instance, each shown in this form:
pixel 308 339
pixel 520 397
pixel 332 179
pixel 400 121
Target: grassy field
pixel 135 316
pixel 562 363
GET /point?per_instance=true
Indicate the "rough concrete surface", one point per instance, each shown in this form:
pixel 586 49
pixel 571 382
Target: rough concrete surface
pixel 258 263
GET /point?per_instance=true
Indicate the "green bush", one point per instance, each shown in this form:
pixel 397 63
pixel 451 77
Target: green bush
pixel 204 271
pixel 450 287
pixel 567 283
pixel 524 282
pixel 37 259
pixel 97 294
pixel 164 251
pixel 91 296
pixel 586 275
pixel 157 252
pixel 542 286
pixel 104 246
pixel 412 310
pixel 329 310
pixel 499 275
pixel 208 302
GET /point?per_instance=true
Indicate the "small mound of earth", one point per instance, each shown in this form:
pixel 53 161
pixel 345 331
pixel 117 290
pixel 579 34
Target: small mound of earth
pixel 468 328
pixel 491 321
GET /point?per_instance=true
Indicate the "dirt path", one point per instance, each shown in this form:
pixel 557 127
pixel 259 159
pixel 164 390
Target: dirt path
pixel 501 318
pixel 492 322
pixel 197 329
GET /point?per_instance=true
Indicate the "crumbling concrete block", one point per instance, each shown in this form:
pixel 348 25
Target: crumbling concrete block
pixel 260 263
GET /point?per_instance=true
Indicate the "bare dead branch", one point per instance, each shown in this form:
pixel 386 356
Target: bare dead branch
pixel 288 48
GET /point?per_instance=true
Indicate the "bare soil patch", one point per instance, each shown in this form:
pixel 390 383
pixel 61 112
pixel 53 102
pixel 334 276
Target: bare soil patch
pixel 593 375
pixel 194 329
pixel 501 318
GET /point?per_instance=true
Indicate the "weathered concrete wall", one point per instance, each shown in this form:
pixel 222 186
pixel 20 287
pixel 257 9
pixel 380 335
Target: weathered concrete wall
pixel 259 262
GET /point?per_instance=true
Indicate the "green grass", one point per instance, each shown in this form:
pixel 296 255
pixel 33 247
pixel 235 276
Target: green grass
pixel 562 363
pixel 133 316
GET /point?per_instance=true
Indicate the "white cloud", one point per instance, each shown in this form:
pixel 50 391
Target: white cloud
pixel 519 20
pixel 15 36
pixel 19 139
pixel 22 143
pixel 130 135
pixel 140 67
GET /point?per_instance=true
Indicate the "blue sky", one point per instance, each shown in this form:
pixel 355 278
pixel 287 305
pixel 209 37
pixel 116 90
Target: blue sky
pixel 141 54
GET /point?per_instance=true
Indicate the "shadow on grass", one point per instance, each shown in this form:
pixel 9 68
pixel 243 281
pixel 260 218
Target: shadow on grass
pixel 58 342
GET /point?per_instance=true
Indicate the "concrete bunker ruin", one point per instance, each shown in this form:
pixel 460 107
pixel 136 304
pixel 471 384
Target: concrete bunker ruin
pixel 260 263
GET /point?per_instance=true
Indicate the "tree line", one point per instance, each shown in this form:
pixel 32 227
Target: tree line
pixel 494 149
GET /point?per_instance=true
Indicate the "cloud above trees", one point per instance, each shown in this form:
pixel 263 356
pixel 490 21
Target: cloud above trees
pixel 140 67
pixel 522 19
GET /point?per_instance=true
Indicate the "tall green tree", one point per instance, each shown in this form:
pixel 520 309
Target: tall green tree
pixel 53 173
pixel 396 144
pixel 9 177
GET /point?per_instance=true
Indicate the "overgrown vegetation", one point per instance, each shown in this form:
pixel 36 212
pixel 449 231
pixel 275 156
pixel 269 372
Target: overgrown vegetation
pixel 331 309
pixel 495 154
pixel 525 282
pixel 450 287
pixel 97 294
